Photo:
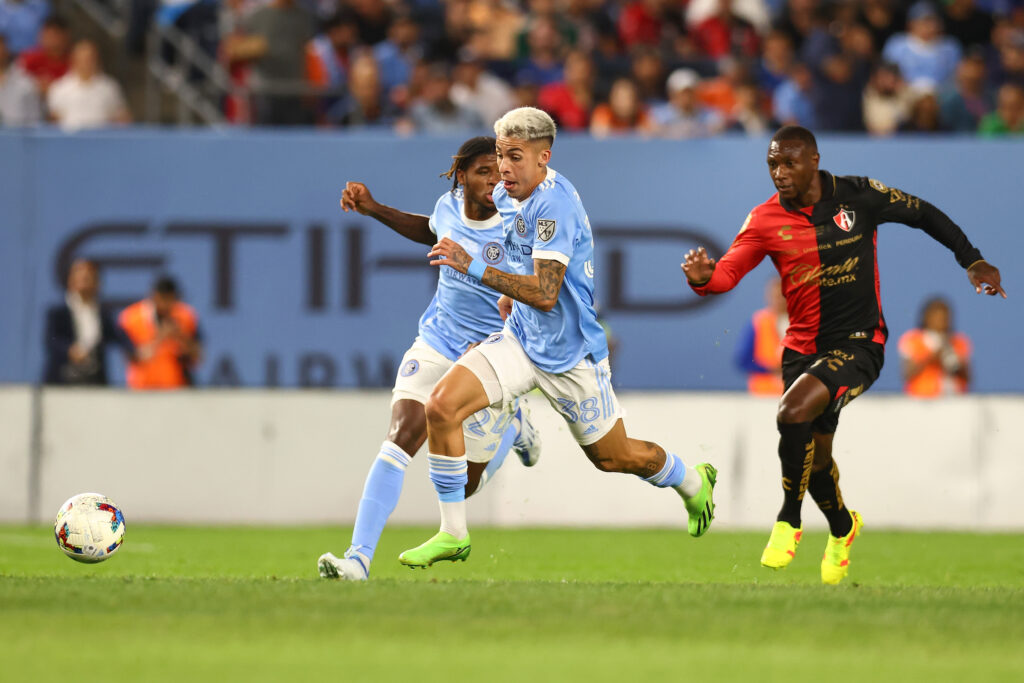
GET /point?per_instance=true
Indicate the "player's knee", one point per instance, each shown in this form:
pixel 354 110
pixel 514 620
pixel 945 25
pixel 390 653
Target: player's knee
pixel 791 412
pixel 439 410
pixel 821 463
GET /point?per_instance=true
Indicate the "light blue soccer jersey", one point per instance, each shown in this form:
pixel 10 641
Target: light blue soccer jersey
pixel 463 311
pixel 552 224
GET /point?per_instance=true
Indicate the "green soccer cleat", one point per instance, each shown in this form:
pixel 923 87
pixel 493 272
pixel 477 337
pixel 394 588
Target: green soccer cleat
pixel 782 545
pixel 835 564
pixel 442 546
pixel 701 507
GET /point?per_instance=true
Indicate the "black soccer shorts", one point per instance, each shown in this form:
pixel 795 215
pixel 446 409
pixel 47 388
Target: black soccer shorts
pixel 847 370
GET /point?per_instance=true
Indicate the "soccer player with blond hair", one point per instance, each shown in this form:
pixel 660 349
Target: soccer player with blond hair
pixel 551 341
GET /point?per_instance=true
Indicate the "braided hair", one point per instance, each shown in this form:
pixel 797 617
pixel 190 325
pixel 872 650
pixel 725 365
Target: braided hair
pixel 469 151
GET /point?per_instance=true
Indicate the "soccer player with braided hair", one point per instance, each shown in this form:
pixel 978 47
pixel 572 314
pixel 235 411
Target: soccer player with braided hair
pixel 462 313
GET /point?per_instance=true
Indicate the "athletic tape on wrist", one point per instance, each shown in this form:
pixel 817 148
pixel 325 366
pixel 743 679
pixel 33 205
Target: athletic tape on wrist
pixel 476 269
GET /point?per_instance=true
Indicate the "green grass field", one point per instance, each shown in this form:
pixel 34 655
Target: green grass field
pixel 245 604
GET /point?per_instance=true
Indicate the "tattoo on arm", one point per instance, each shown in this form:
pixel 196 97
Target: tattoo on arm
pixel 539 290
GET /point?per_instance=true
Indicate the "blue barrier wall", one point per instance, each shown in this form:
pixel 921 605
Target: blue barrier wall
pixel 293 292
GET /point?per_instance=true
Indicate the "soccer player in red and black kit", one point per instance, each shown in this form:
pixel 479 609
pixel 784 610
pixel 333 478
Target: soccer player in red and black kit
pixel 820 231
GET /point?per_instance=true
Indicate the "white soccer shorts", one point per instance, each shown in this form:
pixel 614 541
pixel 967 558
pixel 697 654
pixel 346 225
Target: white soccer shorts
pixel 422 366
pixel 583 395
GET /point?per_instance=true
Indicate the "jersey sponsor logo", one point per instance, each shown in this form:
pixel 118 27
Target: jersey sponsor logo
pixel 493 253
pixel 410 368
pixel 827 276
pixel 844 220
pixel 545 229
pixel 520 225
pixel 494 338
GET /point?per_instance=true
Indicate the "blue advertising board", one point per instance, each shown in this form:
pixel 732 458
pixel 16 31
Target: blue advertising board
pixel 292 292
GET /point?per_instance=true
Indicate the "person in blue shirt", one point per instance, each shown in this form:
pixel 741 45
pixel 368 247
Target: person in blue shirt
pixel 462 313
pixel 552 341
pixel 927 58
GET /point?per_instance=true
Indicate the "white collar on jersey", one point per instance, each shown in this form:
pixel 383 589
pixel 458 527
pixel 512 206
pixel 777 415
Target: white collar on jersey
pixel 548 178
pixel 492 222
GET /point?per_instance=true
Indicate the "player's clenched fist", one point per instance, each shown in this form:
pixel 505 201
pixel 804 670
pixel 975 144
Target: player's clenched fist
pixel 356 197
pixel 698 266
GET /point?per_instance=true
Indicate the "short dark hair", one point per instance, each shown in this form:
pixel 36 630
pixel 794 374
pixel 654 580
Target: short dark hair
pixel 470 150
pixel 56 21
pixel 167 285
pixel 796 134
pixel 929 304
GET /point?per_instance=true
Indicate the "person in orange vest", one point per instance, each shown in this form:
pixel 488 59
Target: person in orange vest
pixel 760 351
pixel 936 360
pixel 165 332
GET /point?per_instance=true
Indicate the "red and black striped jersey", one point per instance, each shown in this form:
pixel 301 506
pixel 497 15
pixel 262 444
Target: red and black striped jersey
pixel 827 257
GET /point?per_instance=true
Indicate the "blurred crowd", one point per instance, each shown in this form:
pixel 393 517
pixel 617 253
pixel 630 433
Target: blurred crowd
pixel 670 68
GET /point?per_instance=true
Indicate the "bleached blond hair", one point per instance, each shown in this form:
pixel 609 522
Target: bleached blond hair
pixel 525 123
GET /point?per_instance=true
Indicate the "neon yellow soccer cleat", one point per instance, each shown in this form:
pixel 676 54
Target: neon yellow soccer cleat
pixel 835 564
pixel 701 508
pixel 781 548
pixel 440 547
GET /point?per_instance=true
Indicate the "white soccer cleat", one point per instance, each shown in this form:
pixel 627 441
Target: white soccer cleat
pixel 345 568
pixel 527 443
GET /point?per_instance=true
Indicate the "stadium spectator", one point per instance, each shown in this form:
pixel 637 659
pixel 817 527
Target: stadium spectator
pixel 397 55
pixel 964 103
pixel 79 330
pixel 925 114
pixel 622 113
pixel 887 100
pixel 1008 53
pixel 759 353
pixel 273 41
pixel 364 104
pixel 647 69
pixel 719 92
pixel 793 104
pixel 640 23
pixel 756 13
pixel 1008 118
pixel 570 102
pixel 724 32
pixel 748 115
pixel 526 93
pixel 20 21
pixel 800 20
pixel 477 89
pixel 968 24
pixel 936 359
pixel 776 61
pixel 19 99
pixel 50 58
pixel 329 53
pixel 926 57
pixel 837 95
pixel 882 18
pixel 543 64
pixel 435 112
pixel 373 17
pixel 85 97
pixel 683 116
pixel 166 336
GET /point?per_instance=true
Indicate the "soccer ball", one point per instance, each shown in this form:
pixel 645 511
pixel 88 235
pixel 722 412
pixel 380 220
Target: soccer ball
pixel 89 527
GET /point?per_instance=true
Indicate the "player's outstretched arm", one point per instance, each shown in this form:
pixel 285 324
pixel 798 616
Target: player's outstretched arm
pixel 539 290
pixel 416 227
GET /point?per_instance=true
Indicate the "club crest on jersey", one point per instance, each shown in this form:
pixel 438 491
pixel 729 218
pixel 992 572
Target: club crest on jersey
pixel 493 253
pixel 844 220
pixel 520 225
pixel 410 368
pixel 545 229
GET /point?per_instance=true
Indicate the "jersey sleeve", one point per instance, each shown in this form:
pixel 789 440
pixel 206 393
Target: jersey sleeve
pixel 558 225
pixel 440 206
pixel 895 206
pixel 746 251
